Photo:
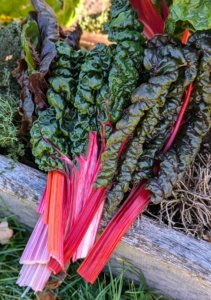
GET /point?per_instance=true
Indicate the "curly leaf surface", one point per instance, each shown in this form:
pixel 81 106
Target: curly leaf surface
pixel 45 138
pixel 188 141
pixel 169 112
pixel 144 98
pixel 168 61
pixel 124 29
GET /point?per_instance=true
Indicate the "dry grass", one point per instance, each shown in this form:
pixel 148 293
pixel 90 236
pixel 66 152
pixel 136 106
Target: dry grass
pixel 189 208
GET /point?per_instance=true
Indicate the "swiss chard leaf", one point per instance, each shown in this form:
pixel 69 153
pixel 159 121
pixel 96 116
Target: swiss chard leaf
pixel 49 30
pixel 30 41
pixel 38 85
pixel 26 105
pixel 196 12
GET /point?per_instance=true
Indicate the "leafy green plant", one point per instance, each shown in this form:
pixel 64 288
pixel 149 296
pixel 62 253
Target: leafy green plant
pixel 30 40
pixel 194 13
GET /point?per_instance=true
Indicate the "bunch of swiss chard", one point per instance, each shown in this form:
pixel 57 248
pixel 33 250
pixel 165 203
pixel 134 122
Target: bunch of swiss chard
pixel 114 124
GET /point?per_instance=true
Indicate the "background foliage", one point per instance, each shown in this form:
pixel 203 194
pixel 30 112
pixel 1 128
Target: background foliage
pixel 66 10
pixel 10 50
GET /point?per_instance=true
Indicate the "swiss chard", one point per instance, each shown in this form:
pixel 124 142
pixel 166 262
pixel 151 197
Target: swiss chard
pixel 195 14
pixel 169 60
pixel 118 104
pixel 30 41
pixel 169 112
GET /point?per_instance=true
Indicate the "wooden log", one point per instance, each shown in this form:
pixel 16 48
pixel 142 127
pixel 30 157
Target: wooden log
pixel 172 262
pixel 20 190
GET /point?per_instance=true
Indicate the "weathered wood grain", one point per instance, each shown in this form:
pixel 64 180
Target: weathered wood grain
pixel 171 261
pixel 20 188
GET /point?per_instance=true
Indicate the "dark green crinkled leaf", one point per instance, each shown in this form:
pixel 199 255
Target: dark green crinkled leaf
pixel 124 29
pixel 198 116
pixel 61 127
pixel 169 112
pixel 45 138
pixel 168 60
pixel 93 73
pixel 196 12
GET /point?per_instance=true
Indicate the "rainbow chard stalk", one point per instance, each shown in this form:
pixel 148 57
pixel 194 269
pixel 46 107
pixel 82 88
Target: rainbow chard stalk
pixel 166 172
pixel 150 17
pixel 68 193
pixel 51 147
pixel 35 272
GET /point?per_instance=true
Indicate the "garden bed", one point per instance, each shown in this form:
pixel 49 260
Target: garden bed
pixel 172 262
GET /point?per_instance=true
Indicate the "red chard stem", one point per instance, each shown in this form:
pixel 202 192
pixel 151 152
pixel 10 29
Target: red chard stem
pixel 177 125
pixel 134 205
pixel 149 16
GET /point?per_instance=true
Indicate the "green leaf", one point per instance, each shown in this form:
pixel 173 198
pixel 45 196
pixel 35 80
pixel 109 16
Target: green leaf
pixel 30 41
pixel 196 12
pixel 66 12
pixel 15 8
